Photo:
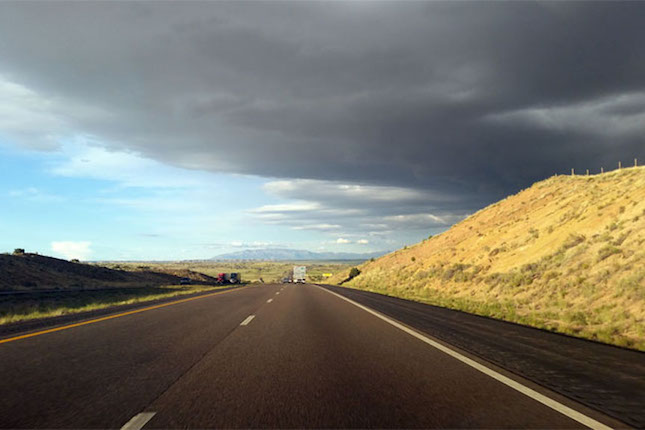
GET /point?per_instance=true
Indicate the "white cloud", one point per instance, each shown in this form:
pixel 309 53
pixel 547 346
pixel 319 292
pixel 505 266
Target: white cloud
pixel 319 227
pixel 353 209
pixel 69 250
pixel 422 220
pixel 28 117
pixel 343 193
pixel 84 159
pixel 416 218
pixel 36 120
pixel 362 241
pixel 342 241
pixel 288 207
pixel 168 203
pixel 35 195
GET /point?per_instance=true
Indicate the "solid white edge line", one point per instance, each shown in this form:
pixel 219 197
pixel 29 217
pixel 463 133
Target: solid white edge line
pixel 138 421
pixel 247 320
pixel 547 401
pixel 269 301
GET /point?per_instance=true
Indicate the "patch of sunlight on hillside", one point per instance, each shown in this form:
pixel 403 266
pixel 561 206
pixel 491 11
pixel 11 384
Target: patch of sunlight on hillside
pixel 566 254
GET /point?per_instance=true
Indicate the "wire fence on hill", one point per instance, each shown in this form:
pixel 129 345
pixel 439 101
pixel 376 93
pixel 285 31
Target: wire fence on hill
pixel 602 169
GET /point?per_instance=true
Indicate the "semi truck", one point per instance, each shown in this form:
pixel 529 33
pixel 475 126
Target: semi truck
pixel 229 278
pixel 299 274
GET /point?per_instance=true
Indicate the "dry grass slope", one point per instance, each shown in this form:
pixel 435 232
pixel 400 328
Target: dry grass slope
pixel 567 254
pixel 30 272
pixel 52 287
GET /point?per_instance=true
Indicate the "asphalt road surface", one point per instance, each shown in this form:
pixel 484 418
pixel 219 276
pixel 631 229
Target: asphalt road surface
pixel 604 377
pixel 278 356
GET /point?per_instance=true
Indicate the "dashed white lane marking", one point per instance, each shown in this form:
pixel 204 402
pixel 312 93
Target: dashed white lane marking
pixel 547 401
pixel 248 320
pixel 277 293
pixel 269 301
pixel 138 421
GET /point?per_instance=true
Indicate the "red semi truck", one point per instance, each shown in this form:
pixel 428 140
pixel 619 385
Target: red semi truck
pixel 229 278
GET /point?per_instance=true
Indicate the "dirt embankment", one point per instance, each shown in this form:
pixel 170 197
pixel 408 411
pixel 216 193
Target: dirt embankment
pixel 38 272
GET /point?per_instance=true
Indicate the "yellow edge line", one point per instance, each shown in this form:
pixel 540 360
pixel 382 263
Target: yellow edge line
pixel 109 317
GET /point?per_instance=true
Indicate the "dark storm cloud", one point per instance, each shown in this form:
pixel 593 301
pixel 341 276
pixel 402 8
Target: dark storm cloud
pixel 463 98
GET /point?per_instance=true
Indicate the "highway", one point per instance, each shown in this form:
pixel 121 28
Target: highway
pixel 269 356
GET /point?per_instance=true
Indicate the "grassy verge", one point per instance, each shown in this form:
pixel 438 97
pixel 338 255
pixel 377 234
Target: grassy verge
pixel 43 305
pixel 602 325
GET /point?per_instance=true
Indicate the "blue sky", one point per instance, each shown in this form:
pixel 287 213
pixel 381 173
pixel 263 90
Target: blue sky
pixel 84 201
pixel 123 206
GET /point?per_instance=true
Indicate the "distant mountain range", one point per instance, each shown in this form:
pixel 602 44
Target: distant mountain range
pixel 281 254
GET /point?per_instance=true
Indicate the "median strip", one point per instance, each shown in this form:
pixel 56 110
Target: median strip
pixel 109 317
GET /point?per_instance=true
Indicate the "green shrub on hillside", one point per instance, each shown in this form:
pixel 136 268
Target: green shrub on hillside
pixel 607 251
pixel 573 240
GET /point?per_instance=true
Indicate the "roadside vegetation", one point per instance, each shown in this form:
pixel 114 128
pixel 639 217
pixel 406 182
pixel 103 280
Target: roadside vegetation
pixel 48 287
pixel 23 271
pixel 23 307
pixel 567 255
pixel 251 271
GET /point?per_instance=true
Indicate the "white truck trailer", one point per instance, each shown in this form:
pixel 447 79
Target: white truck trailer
pixel 299 274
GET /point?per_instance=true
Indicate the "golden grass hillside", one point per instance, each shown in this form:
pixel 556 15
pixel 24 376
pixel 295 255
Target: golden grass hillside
pixel 567 254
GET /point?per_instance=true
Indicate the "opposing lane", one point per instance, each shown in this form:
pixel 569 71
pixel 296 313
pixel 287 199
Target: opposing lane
pixel 100 375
